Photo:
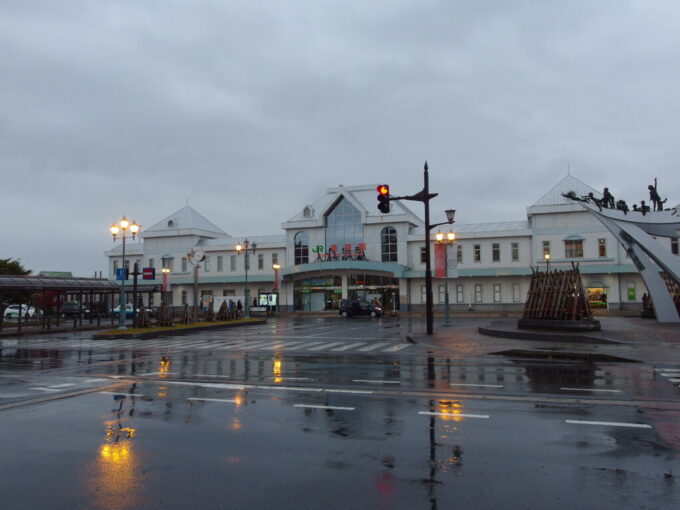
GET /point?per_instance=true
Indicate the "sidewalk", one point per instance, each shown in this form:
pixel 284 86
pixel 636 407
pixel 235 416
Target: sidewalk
pixel 633 338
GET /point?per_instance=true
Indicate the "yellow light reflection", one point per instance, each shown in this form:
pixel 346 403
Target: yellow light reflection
pixel 277 371
pixel 113 482
pixel 164 366
pixel 450 410
pixel 235 424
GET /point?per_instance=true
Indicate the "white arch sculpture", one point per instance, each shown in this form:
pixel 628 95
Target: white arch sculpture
pixel 634 231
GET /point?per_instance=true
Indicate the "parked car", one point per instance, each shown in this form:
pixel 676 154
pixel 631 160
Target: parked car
pixel 128 310
pixel 73 309
pixel 354 307
pixel 12 312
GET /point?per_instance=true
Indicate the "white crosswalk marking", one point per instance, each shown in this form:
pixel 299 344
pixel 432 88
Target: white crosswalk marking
pixel 309 344
pixel 348 346
pixel 373 347
pixel 281 345
pixel 324 346
pixel 396 348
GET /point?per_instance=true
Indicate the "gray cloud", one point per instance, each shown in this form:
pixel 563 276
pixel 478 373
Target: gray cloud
pixel 128 107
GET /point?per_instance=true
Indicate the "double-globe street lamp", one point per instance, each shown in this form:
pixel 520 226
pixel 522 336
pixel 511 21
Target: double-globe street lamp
pixel 244 247
pixel 450 238
pixel 125 230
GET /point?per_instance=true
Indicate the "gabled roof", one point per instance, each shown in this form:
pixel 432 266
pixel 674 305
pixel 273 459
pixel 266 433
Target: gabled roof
pixel 569 183
pixel 188 220
pixel 362 197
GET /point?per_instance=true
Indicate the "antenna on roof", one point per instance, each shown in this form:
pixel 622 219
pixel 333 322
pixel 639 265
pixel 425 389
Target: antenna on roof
pixel 187 200
pixel 568 170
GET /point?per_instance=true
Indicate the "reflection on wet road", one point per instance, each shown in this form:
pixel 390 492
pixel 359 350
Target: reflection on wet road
pixel 315 421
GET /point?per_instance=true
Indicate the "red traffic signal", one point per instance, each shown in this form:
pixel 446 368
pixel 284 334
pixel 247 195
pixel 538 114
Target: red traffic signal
pixel 383 198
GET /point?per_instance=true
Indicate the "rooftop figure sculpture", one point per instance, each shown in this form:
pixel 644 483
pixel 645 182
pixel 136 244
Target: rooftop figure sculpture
pixel 607 199
pixel 654 197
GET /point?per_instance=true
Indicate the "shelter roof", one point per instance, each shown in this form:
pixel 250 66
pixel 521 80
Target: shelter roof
pixel 11 282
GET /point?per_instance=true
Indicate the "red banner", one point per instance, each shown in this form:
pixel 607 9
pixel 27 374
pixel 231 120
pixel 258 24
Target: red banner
pixel 439 260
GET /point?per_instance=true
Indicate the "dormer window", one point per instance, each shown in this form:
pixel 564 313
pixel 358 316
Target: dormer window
pixel 171 224
pixel 307 212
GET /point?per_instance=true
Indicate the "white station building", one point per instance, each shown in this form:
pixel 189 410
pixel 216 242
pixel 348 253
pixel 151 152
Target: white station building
pixel 342 247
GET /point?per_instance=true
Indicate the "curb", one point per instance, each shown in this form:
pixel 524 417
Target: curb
pixel 179 331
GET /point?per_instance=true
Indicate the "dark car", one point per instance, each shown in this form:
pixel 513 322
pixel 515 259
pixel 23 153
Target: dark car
pixel 353 307
pixel 73 309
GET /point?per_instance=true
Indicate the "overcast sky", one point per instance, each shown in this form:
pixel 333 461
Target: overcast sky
pixel 251 109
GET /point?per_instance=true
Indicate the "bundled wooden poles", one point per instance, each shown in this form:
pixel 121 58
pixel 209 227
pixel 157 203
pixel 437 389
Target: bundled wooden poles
pixel 557 295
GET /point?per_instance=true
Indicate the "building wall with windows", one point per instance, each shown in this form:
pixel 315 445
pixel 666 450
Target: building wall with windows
pixel 341 247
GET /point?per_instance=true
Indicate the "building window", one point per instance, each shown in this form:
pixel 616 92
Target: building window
pixel 496 292
pixel 442 293
pixel 423 294
pixel 169 263
pixel 127 264
pixel 674 245
pixel 459 253
pixel 232 263
pixel 460 294
pixel 388 243
pixel 260 260
pixel 220 263
pixel 206 264
pixel 343 225
pixel 423 256
pixel 301 248
pixel 184 264
pixel 184 297
pixel 515 292
pixel 151 263
pixel 275 258
pixel 546 249
pixel 515 252
pixel 496 252
pixel 602 247
pixel 478 253
pixel 115 266
pixel 478 293
pixel 573 248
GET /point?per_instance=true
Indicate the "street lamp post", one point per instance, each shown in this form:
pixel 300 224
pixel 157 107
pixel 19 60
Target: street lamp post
pixel 276 268
pixel 244 247
pixel 547 262
pixel 165 271
pixel 450 239
pixel 121 228
pixel 424 196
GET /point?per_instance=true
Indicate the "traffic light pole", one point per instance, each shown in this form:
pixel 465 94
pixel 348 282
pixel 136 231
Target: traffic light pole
pixel 424 196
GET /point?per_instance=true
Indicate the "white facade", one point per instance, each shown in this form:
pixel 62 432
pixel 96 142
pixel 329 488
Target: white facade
pixel 493 261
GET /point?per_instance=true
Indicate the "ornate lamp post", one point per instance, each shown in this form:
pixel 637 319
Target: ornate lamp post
pixel 450 239
pixel 244 247
pixel 276 268
pixel 547 262
pixel 121 229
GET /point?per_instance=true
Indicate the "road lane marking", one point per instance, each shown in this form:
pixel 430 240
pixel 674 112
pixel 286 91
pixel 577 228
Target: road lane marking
pixel 214 400
pixel 674 380
pixel 374 346
pixel 348 346
pixel 358 392
pixel 610 424
pixel 478 385
pixel 667 369
pixel 324 346
pixel 43 389
pixel 590 389
pixel 455 415
pixel 159 373
pixel 290 378
pixel 335 408
pixel 224 386
pixel 375 381
pixel 122 394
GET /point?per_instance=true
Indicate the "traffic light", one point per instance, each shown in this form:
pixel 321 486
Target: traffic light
pixel 383 198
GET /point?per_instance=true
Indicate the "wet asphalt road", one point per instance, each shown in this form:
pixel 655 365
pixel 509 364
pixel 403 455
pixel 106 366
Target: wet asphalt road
pixel 328 413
